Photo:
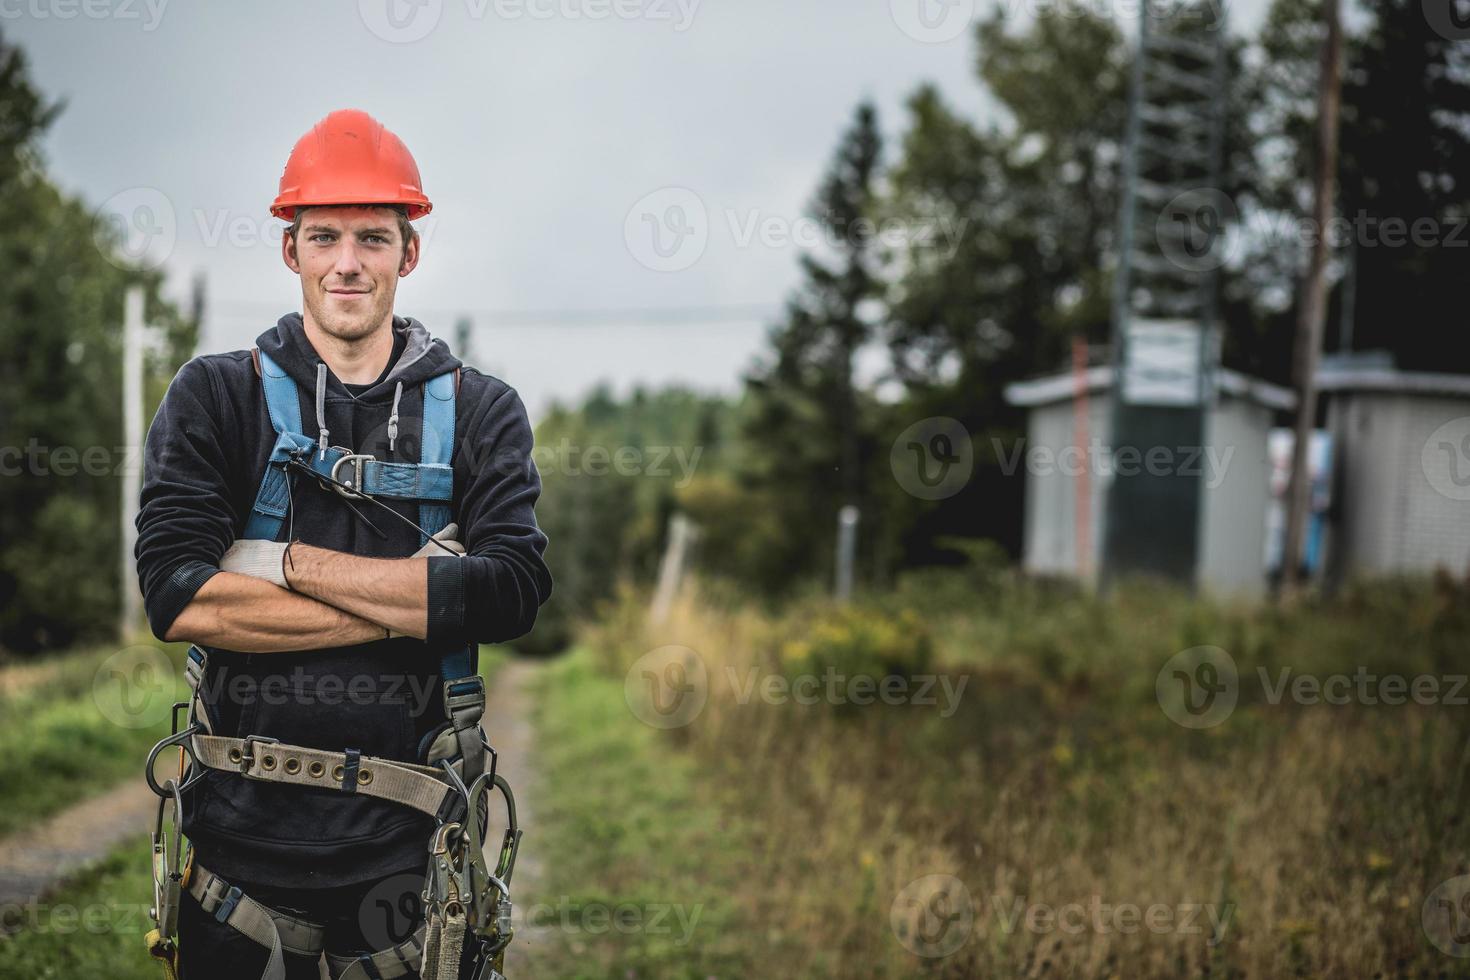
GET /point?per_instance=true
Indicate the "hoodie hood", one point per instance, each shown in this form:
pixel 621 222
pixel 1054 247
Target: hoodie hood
pixel 423 357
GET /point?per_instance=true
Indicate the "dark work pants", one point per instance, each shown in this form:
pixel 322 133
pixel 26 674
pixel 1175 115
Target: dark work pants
pixel 361 918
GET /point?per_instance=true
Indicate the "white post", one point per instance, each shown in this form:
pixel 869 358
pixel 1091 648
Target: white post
pixel 132 476
pixel 847 522
pixel 671 568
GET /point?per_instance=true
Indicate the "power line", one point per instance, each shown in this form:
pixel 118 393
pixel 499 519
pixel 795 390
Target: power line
pixel 565 317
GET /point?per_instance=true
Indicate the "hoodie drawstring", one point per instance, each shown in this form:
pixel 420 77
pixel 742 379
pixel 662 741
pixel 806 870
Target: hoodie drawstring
pixel 393 418
pixel 321 406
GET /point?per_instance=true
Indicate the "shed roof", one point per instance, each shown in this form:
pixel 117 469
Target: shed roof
pixel 1060 387
pixel 1347 378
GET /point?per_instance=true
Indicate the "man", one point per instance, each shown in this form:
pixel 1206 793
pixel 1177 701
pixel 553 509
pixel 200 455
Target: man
pixel 324 620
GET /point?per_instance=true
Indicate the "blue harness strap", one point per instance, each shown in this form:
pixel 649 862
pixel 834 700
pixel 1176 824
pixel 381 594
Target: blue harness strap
pixel 430 481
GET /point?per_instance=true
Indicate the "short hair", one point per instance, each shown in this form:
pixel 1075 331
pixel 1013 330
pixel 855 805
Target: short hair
pixel 406 230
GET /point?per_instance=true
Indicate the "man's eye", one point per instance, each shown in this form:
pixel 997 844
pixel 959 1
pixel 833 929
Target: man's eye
pixel 375 238
pixel 319 236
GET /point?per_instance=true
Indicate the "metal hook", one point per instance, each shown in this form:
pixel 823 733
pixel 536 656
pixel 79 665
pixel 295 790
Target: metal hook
pixel 182 740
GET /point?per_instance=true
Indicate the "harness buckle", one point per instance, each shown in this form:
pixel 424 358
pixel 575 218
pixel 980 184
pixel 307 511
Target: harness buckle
pixel 227 904
pixel 355 480
pixel 247 751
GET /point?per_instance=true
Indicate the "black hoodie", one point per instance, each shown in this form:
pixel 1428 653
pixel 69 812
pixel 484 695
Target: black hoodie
pixel 205 457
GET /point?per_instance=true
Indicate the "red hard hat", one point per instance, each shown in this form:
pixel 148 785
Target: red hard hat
pixel 350 158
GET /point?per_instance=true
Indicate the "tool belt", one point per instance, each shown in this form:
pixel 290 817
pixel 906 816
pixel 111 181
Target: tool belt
pixel 467 903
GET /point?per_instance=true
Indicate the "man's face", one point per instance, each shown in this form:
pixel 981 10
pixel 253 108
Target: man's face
pixel 349 260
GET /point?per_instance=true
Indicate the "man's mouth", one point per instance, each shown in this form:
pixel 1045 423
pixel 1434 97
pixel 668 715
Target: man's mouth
pixel 347 293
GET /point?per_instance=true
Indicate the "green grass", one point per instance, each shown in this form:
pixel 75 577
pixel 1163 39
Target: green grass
pixel 640 864
pixel 68 733
pixel 95 928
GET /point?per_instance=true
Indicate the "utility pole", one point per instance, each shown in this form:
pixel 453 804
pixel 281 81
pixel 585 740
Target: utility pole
pixel 847 522
pixel 1082 488
pixel 1313 307
pixel 132 481
pixel 462 338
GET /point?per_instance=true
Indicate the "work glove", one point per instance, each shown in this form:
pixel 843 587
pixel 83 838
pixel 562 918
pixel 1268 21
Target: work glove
pixel 447 537
pixel 257 558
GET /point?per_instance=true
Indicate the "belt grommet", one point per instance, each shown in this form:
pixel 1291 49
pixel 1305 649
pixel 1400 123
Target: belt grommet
pixel 293 766
pixel 315 770
pixel 268 762
pixel 337 771
pixel 236 756
pixel 364 776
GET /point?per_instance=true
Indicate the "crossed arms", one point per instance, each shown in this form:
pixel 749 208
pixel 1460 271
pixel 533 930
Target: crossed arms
pixel 338 599
pixel 188 519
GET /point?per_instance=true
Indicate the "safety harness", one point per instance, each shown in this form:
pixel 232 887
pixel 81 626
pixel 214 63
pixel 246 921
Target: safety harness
pixel 467 905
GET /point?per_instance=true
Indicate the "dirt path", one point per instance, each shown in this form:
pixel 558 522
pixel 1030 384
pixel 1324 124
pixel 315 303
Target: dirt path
pixel 36 860
pixel 508 724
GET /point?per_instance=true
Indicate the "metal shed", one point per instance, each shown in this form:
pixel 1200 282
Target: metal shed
pixel 1403 469
pixel 1232 462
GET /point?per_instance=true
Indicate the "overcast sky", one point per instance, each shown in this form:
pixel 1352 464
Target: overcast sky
pixel 565 144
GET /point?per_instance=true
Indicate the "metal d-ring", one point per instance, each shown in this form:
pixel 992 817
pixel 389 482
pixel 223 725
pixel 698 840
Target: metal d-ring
pixel 355 481
pixel 183 740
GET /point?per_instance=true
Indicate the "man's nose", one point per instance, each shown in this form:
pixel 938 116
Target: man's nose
pixel 347 263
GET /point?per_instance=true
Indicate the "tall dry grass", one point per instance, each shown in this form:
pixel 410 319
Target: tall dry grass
pixel 1312 833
